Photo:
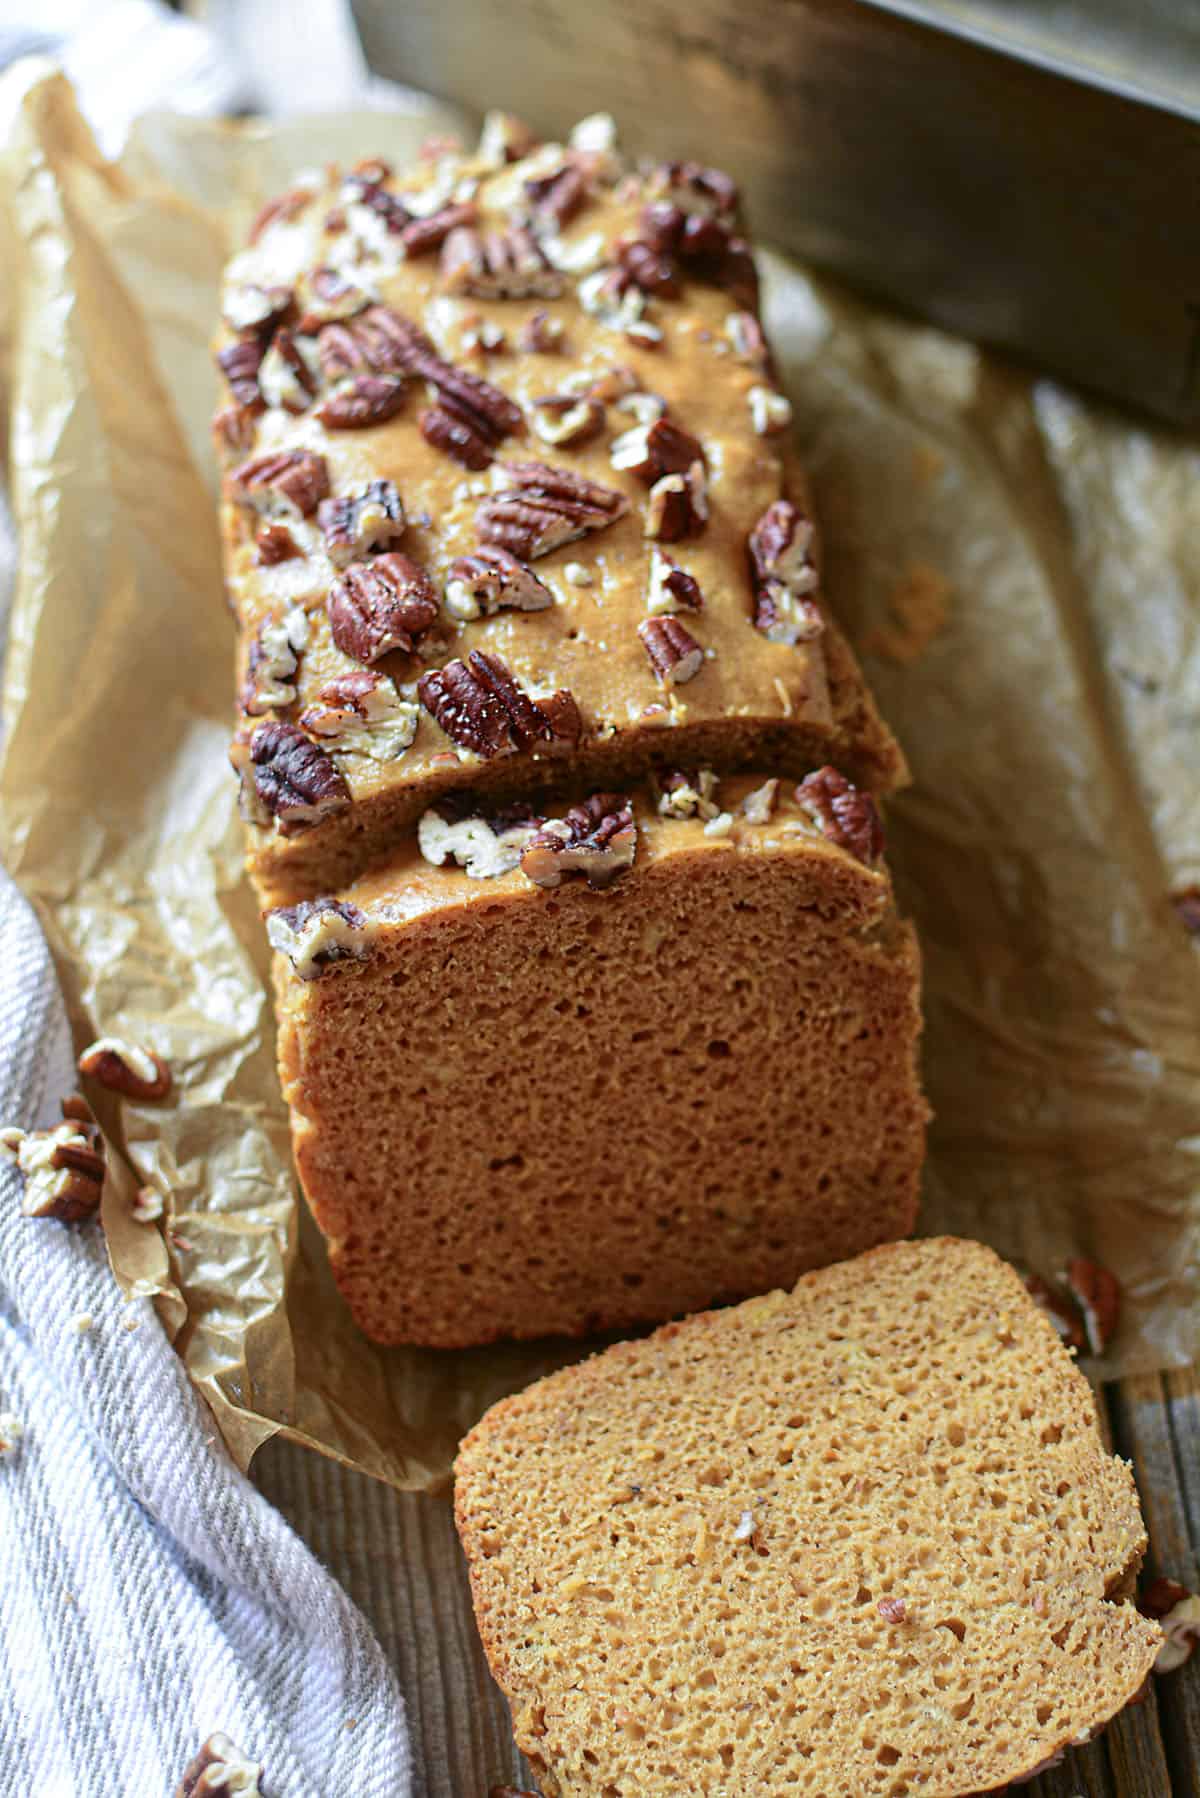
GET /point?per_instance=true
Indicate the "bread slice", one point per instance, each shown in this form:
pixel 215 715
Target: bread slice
pixel 860 1540
pixel 523 1110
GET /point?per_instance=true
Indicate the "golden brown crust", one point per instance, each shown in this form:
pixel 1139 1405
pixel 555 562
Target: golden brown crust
pixel 754 699
pixel 919 1594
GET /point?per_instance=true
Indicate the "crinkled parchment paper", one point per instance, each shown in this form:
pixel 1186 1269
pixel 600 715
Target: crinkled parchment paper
pixel 1022 569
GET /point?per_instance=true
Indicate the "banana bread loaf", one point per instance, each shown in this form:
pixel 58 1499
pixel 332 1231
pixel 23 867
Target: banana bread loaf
pixel 555 1076
pixel 857 1540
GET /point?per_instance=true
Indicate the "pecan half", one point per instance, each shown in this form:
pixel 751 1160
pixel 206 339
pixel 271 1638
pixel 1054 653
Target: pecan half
pixel 544 508
pixel 483 847
pixel 673 652
pixel 318 933
pixel 276 544
pixel 62 1168
pixel 481 708
pixel 425 234
pixel 492 580
pixel 284 377
pixel 498 265
pixel 845 814
pixel 565 420
pixel 654 449
pixel 126 1068
pixel 240 362
pixel 252 307
pixel 281 209
pixel 274 661
pixel 542 334
pixel 325 296
pixel 362 714
pixel 362 400
pixel 671 587
pixel 457 435
pixel 293 778
pixel 1097 1293
pixel 354 524
pixel 597 839
pixel 283 483
pixel 384 604
pixel 220 1770
pixel 234 427
pixel 678 506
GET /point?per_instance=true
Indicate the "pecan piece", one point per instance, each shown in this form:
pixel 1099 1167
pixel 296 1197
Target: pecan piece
pixel 684 795
pixel 240 362
pixel 559 195
pixel 252 307
pixel 276 544
pixel 484 847
pixel 283 483
pixel 220 1770
pixel 695 189
pixel 1062 1311
pixel 671 587
pixel 430 233
pixel 544 508
pixel 481 708
pixel 1167 1602
pixel 274 661
pixel 1097 1293
pixel 233 428
pixel 644 266
pixel 326 296
pixel 758 806
pixel 126 1068
pixel 565 420
pixel 784 575
pixel 284 377
pixel 457 435
pixel 384 604
pixel 362 714
pixel 355 524
pixel 678 506
pixel 654 449
pixel 294 780
pixel 362 400
pixel 280 210
pixel 597 839
pixel 845 814
pixel 365 190
pixel 892 1610
pixel 1186 901
pixel 318 933
pixel 492 580
pixel 673 652
pixel 498 265
pixel 770 410
pixel 62 1168
pixel 748 339
pixel 505 138
pixel 542 333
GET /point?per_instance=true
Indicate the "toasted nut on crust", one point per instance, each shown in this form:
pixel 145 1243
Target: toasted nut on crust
pixel 126 1068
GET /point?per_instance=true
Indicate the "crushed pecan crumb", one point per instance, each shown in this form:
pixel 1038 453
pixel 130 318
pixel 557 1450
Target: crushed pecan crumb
pixel 126 1068
pixel 845 814
pixel 597 839
pixel 386 603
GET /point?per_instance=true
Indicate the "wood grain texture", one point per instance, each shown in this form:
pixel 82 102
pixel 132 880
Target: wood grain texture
pixel 398 1557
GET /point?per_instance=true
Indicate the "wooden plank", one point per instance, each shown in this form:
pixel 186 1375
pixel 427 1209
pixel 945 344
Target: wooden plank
pixel 398 1557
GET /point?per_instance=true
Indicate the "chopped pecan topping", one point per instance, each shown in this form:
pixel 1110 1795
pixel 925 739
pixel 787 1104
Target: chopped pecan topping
pixel 318 933
pixel 678 506
pixel 498 265
pixel 481 337
pixel 770 410
pixel 62 1168
pixel 684 795
pixel 492 580
pixel 380 605
pixel 284 377
pixel 365 190
pixel 240 362
pixel 1186 901
pixel 642 406
pixel 233 428
pixel 220 1770
pixel 652 270
pixel 326 296
pixel 126 1068
pixel 362 400
pixel 377 341
pixel 565 420
pixel 542 335
pixel 276 544
pixel 457 435
pixel 251 307
pixel 758 806
pixel 281 209
pixel 783 617
pixel 1098 1295
pixel 660 225
pixel 654 449
pixel 704 242
pixel 430 233
pixel 597 839
pixel 558 196
pixel 847 816
pixel 484 847
pixel 147 1206
pixel 673 652
pixel 481 708
pixel 1062 1311
pixel 784 575
pixel 544 508
pixel 354 524
pixel 362 714
pixel 748 339
pixel 695 189
pixel 283 483
pixel 274 662
pixel 294 780
pixel 618 303
pixel 671 587
pixel 505 138
pixel 1167 1602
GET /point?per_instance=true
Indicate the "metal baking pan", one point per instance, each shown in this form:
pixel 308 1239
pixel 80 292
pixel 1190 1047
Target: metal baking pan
pixel 1022 174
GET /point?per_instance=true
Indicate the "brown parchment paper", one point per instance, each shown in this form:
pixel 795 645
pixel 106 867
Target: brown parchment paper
pixel 1021 569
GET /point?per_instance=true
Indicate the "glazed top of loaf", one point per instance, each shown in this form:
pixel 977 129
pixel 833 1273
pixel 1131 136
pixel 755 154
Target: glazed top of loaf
pixel 505 468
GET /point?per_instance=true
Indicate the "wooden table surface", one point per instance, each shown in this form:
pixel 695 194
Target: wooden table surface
pixel 397 1556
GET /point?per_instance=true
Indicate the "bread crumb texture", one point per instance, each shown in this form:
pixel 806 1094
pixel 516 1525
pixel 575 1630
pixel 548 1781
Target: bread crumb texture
pixel 861 1538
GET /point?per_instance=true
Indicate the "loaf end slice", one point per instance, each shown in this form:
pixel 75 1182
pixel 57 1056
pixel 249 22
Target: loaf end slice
pixel 858 1539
